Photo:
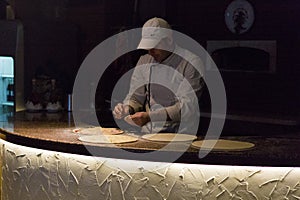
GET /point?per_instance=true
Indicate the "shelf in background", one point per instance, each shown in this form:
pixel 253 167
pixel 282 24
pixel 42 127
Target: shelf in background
pixel 7 103
pixel 6 76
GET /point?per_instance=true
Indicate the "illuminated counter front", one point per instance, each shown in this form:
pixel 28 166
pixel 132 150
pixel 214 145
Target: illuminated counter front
pixel 43 159
pixel 30 173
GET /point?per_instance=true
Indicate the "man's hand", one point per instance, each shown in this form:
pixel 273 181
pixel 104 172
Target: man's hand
pixel 120 111
pixel 140 118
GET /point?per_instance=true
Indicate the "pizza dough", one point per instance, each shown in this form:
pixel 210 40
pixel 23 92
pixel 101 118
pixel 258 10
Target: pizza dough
pixel 169 137
pixel 111 131
pixel 108 139
pixel 129 120
pixel 98 130
pixel 222 144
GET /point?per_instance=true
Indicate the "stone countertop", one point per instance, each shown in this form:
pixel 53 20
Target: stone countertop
pixel 54 131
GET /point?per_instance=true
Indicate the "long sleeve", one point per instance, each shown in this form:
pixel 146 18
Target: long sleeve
pixel 190 87
pixel 136 97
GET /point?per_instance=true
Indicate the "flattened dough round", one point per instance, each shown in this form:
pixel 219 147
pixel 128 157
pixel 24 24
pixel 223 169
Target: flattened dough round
pixel 98 130
pixel 108 139
pixel 111 131
pixel 169 137
pixel 223 144
pixel 129 120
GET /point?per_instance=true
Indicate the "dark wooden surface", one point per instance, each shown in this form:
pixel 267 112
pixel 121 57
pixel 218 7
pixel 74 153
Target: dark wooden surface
pixel 53 131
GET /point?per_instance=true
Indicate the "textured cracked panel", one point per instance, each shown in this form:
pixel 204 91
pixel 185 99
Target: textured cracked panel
pixel 30 173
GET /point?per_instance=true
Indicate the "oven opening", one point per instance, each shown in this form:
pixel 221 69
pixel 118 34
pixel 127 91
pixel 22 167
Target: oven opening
pixel 241 58
pixel 243 55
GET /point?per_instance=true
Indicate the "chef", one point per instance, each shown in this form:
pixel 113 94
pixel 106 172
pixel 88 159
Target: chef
pixel 165 86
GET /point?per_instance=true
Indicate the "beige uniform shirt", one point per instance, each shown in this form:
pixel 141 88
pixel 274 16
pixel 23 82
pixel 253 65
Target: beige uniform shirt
pixel 172 87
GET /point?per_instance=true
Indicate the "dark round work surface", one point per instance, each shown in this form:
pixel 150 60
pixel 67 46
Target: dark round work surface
pixel 54 131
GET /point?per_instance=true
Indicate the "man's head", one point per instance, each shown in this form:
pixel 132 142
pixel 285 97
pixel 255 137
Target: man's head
pixel 157 38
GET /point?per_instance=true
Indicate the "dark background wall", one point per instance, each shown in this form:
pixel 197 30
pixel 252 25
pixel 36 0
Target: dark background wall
pixel 59 34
